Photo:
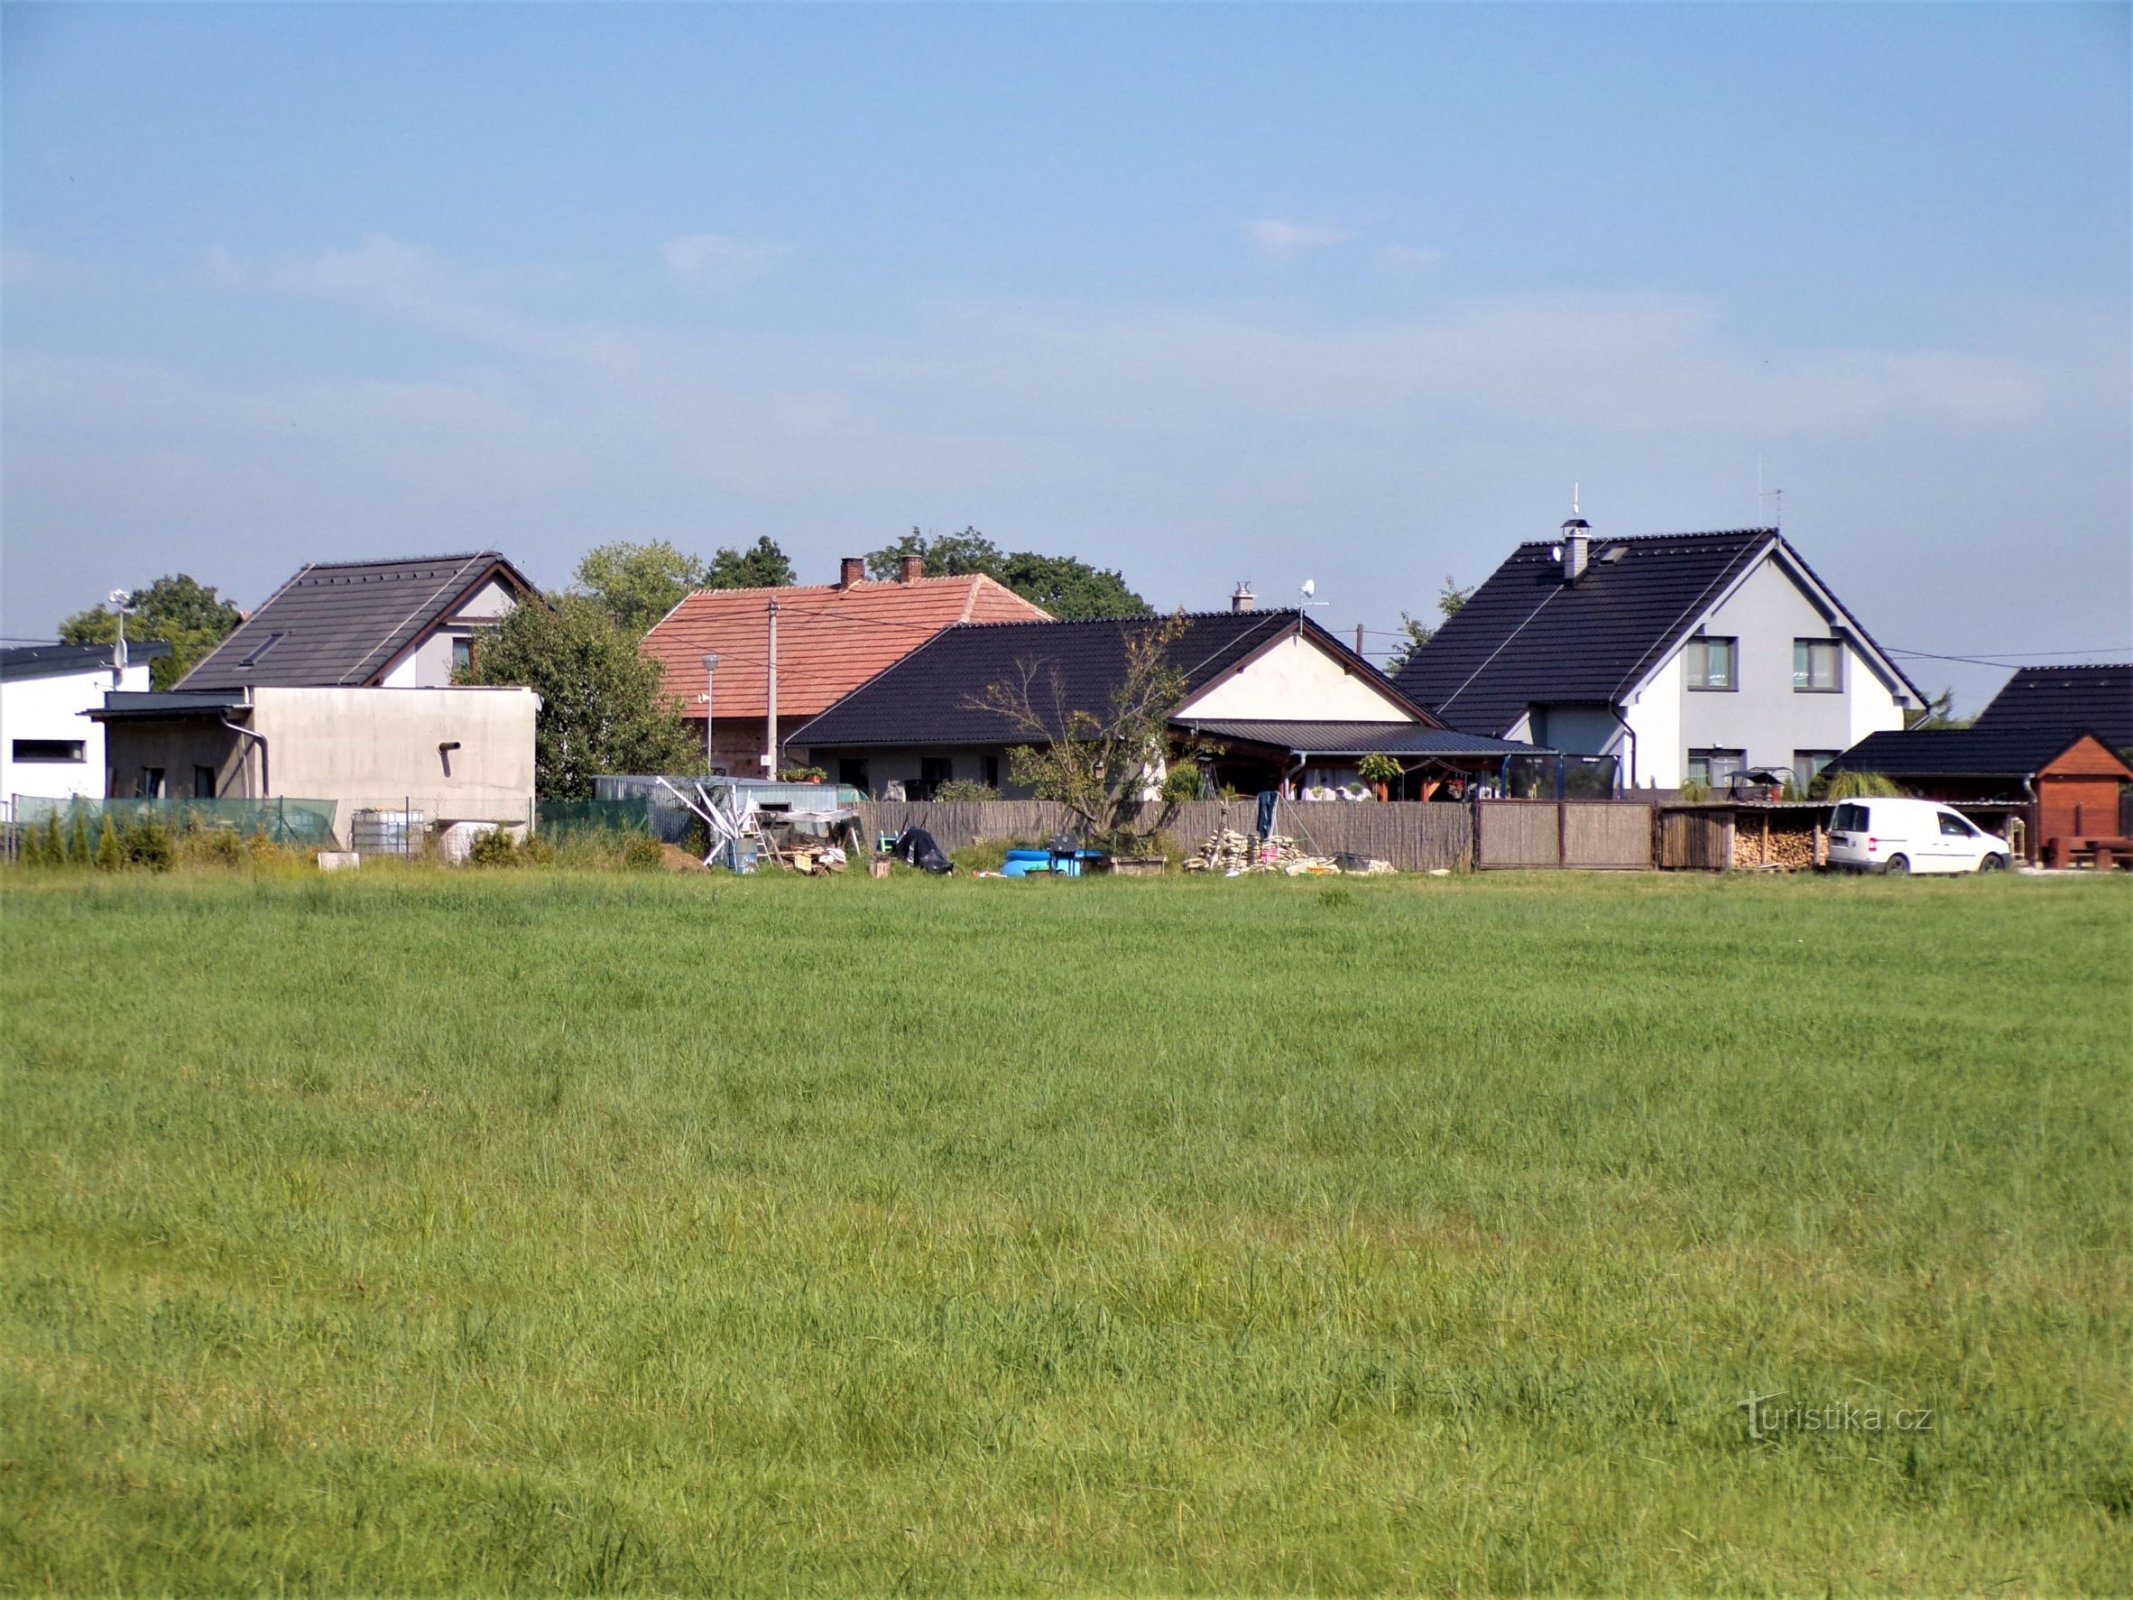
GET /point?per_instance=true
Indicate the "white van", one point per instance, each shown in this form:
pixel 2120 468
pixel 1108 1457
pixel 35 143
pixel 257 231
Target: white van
pixel 1911 836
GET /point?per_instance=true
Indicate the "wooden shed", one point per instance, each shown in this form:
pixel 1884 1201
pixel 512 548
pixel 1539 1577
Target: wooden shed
pixel 2068 785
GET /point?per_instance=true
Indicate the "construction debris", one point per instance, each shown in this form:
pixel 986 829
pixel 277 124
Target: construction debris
pixel 1233 854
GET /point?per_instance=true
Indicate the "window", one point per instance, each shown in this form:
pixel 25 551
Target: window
pixel 1713 768
pixel 1807 765
pixel 934 771
pixel 853 775
pixel 1712 663
pixel 1954 827
pixel 273 638
pixel 151 783
pixel 203 783
pixel 1817 666
pixel 48 750
pixel 462 654
pixel 992 772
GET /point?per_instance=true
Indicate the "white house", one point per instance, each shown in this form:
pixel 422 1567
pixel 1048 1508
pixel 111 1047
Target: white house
pixel 49 748
pixel 1687 657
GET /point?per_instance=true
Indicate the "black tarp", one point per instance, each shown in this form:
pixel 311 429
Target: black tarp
pixel 916 848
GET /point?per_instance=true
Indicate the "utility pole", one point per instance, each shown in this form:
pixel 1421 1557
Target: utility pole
pixel 710 714
pixel 770 722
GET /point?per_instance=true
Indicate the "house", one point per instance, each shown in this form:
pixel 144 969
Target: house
pixel 1689 656
pixel 825 640
pixel 450 754
pixel 49 749
pixel 2065 784
pixel 1286 704
pixel 2068 699
pixel 366 624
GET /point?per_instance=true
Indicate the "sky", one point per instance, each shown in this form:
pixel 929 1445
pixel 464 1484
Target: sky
pixel 1205 293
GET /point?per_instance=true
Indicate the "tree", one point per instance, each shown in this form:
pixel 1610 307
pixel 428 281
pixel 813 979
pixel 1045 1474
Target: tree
pixel 1449 599
pixel 640 583
pixel 761 566
pixel 1101 764
pixel 602 706
pixel 1064 586
pixel 1940 713
pixel 189 615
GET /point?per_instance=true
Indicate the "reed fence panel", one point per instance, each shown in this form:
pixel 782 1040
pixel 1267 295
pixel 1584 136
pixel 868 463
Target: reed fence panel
pixel 1585 834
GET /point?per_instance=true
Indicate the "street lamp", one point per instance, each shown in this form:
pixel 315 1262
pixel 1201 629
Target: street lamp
pixel 710 681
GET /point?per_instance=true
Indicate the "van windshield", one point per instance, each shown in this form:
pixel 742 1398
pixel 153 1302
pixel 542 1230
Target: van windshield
pixel 1850 818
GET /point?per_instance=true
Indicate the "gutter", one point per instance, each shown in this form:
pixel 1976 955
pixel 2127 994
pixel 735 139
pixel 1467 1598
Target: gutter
pixel 266 789
pixel 1615 711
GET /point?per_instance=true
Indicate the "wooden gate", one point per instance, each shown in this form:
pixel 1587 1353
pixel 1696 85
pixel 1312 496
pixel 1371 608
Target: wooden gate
pixel 1587 834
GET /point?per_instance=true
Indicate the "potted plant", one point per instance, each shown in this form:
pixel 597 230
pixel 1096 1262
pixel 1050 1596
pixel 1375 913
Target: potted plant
pixel 1380 772
pixel 802 775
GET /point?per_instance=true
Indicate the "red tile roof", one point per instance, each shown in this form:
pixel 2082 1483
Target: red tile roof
pixel 830 639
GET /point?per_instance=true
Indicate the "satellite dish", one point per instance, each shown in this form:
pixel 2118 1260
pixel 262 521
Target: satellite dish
pixel 121 599
pixel 1310 587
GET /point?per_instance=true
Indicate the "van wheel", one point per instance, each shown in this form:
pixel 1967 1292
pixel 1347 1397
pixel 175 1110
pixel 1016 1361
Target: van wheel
pixel 1899 866
pixel 1993 863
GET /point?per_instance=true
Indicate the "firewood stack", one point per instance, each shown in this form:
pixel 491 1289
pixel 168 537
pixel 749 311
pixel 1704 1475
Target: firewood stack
pixel 1228 851
pixel 1784 849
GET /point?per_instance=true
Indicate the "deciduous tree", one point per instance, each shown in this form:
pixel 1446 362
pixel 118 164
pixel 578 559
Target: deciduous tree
pixel 1449 599
pixel 189 615
pixel 602 706
pixel 1064 586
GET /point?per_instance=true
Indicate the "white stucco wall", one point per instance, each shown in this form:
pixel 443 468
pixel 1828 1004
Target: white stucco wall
pixel 1293 681
pixel 51 708
pixel 429 664
pixel 1655 716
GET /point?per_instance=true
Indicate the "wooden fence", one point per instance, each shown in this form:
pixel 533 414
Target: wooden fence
pixel 1567 833
pixel 1699 841
pixel 1414 836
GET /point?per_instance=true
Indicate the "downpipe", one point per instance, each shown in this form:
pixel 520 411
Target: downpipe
pixel 266 788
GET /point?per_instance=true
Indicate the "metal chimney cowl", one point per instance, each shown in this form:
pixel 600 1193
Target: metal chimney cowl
pixel 1243 599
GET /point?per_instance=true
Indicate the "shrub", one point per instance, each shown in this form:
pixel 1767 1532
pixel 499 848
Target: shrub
pixel 1692 791
pixel 965 789
pixel 29 847
pixel 215 847
pixel 109 857
pixel 642 853
pixel 147 843
pixel 55 841
pixel 495 848
pixel 1855 786
pixel 79 850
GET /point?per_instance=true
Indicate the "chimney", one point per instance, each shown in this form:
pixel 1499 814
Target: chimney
pixel 1243 599
pixel 851 570
pixel 1576 548
pixel 909 569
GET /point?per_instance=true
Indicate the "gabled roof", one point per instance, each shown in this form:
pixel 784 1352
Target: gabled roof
pixel 1359 738
pixel 1961 752
pixel 831 639
pixel 65 660
pixel 925 698
pixel 1526 637
pixel 345 624
pixel 2096 698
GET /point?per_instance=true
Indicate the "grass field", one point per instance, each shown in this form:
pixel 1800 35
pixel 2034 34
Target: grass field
pixel 538 1232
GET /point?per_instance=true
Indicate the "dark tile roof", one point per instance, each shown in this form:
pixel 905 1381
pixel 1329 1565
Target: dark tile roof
pixel 2099 699
pixel 1360 738
pixel 60 660
pixel 1958 752
pixel 925 698
pixel 342 624
pixel 1527 638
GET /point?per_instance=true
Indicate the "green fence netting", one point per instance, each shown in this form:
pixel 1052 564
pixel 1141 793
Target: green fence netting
pixel 559 819
pixel 307 823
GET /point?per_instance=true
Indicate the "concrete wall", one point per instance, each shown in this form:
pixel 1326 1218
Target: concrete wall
pixel 51 708
pixel 380 748
pixel 1295 681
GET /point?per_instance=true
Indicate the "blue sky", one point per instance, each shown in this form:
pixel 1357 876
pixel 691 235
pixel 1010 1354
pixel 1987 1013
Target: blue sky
pixel 1205 293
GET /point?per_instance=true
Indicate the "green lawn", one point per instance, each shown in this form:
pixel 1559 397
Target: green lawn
pixel 535 1232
